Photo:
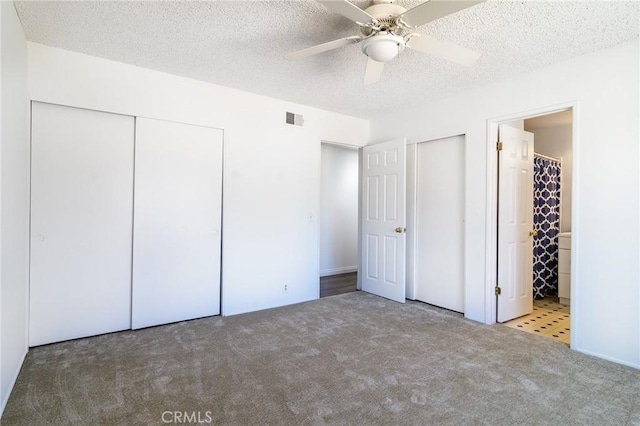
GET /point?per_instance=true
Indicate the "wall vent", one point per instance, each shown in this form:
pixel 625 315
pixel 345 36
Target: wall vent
pixel 294 119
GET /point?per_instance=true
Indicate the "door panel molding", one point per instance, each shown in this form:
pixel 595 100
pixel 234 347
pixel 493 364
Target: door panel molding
pixel 515 222
pixel 384 193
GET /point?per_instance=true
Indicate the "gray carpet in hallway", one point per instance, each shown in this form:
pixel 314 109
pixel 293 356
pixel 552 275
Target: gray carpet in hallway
pixel 348 359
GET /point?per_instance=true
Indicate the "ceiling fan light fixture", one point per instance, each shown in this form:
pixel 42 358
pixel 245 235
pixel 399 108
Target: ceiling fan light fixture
pixel 383 47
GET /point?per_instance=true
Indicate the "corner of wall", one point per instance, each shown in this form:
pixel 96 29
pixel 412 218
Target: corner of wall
pixel 3 402
pixel 14 199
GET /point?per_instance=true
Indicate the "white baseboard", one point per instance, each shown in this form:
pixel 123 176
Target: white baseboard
pixel 608 358
pixel 338 271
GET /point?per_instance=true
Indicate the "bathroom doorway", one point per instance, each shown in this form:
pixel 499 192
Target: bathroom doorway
pixel 549 312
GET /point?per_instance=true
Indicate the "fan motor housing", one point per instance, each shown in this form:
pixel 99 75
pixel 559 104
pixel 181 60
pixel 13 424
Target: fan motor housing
pixel 386 15
pixel 385 11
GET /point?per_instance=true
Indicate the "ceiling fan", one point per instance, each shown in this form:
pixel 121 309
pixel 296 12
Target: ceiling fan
pixel 384 34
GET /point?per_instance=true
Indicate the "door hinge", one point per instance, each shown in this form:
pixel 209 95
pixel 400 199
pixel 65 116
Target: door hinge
pixel 498 291
pixel 498 146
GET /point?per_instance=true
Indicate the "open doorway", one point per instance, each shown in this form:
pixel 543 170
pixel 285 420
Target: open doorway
pixel 548 313
pixel 338 219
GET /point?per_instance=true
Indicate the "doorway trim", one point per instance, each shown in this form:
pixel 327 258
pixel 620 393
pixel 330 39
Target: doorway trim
pixel 491 243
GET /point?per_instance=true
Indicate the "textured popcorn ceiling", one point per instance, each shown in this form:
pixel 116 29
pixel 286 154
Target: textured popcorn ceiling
pixel 241 44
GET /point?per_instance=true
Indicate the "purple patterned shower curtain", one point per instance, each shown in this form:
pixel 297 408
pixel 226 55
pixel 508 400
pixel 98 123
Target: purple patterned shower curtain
pixel 546 224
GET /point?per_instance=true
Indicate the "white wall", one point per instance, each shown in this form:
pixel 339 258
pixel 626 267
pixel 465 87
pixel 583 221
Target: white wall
pixel 271 169
pixel 555 141
pixel 605 270
pixel 338 210
pixel 14 201
pixel 516 124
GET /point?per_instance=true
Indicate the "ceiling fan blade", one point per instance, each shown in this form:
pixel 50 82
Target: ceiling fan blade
pixel 443 49
pixel 314 50
pixel 349 10
pixel 373 72
pixel 432 10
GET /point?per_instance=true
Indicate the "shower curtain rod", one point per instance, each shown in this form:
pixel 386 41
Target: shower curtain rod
pixel 559 160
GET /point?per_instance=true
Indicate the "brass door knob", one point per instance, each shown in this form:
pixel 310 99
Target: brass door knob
pixel 400 229
pixel 532 233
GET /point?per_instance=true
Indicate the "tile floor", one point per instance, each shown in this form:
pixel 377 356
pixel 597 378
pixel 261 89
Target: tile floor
pixel 549 318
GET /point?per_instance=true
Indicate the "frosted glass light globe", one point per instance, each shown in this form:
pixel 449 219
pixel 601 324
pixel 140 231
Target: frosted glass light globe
pixel 383 47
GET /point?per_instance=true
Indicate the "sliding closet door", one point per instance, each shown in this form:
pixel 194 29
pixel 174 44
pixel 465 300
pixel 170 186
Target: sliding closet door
pixel 81 219
pixel 177 222
pixel 439 270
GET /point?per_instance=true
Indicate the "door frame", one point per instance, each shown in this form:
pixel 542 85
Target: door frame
pixel 491 245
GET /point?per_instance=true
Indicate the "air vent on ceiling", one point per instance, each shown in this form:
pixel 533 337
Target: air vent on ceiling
pixel 294 119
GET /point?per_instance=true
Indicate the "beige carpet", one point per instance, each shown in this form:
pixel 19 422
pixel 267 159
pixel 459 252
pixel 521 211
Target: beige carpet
pixel 348 359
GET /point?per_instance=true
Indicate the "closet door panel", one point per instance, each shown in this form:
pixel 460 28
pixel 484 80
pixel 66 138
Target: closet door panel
pixel 81 220
pixel 177 222
pixel 439 272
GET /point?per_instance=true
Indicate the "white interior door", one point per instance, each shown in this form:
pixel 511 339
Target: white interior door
pixel 177 222
pixel 383 219
pixel 515 224
pixel 81 218
pixel 439 264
